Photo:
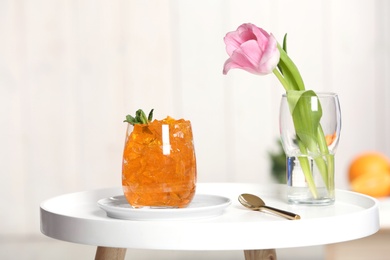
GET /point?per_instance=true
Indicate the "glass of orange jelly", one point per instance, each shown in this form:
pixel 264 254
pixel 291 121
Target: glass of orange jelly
pixel 159 164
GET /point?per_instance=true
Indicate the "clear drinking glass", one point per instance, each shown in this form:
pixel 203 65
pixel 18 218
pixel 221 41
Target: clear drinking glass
pixel 310 165
pixel 159 164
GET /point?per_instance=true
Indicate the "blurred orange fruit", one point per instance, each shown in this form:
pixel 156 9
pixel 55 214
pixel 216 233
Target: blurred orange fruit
pixel 369 173
pixel 375 185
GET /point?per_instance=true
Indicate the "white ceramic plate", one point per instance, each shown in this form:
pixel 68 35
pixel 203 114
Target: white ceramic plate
pixel 202 206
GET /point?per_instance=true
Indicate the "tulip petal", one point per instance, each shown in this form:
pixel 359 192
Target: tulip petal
pixel 232 41
pixel 271 55
pixel 243 58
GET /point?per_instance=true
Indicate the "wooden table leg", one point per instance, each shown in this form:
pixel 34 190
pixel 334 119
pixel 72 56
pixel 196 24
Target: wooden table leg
pixel 110 253
pixel 265 254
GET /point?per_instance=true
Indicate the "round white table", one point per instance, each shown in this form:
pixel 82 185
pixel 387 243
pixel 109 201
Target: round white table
pixel 76 217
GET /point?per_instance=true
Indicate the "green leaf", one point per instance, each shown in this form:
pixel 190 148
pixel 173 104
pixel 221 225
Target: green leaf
pixel 290 71
pixel 306 111
pixel 287 75
pixel 281 64
pixel 285 43
pixel 140 117
pixel 150 116
pixel 129 119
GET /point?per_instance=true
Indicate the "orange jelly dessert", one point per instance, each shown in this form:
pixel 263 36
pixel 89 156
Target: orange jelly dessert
pixel 159 164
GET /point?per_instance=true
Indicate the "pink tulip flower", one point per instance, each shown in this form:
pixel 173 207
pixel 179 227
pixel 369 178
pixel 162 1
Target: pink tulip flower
pixel 252 49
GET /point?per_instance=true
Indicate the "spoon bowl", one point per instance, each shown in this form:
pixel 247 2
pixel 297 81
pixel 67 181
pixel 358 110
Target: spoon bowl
pixel 254 202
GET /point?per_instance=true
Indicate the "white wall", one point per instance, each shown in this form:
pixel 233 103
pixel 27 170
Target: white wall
pixel 71 70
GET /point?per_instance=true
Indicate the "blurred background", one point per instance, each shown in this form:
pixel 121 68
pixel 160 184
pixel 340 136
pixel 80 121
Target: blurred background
pixel 71 70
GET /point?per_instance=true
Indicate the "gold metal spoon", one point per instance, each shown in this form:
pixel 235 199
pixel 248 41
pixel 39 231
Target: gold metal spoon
pixel 255 203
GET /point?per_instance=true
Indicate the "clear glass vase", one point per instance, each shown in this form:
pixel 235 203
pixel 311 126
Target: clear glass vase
pixel 310 127
pixel 159 164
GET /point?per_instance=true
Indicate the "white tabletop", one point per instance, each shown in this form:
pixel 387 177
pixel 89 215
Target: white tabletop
pixel 77 218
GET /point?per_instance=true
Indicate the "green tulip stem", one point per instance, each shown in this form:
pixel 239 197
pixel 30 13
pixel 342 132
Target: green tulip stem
pixel 282 80
pixel 305 165
pixel 328 175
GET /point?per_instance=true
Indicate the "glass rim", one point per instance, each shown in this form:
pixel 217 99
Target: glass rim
pixel 320 94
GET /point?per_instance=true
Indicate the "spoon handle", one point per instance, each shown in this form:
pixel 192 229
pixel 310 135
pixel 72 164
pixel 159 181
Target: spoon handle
pixel 286 214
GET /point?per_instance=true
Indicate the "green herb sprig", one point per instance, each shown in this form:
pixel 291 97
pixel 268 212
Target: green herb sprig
pixel 140 117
